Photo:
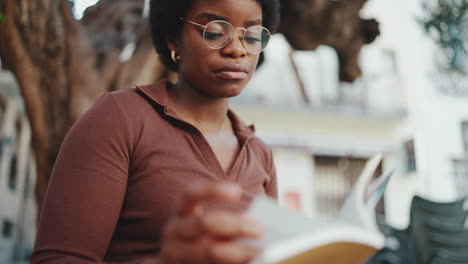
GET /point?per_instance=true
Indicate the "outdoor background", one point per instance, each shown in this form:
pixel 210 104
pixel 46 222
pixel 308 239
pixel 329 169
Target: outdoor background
pixel 341 81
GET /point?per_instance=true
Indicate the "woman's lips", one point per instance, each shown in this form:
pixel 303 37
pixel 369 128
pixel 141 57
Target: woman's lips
pixel 232 71
pixel 232 75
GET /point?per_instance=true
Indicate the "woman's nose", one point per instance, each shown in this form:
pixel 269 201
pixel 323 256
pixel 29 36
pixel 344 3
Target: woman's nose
pixel 235 48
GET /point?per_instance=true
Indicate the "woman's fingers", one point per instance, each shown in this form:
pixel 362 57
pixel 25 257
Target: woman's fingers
pixel 230 225
pixel 183 251
pixel 208 251
pixel 187 228
pixel 218 224
pixel 190 202
pixel 194 236
pixel 232 253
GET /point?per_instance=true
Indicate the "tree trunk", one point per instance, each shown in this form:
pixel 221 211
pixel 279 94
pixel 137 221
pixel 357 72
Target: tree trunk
pixel 63 65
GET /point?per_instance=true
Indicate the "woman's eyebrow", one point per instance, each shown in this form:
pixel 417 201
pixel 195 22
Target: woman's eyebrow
pixel 212 16
pixel 253 22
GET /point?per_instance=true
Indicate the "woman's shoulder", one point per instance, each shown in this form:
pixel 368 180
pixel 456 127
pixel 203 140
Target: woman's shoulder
pixel 259 143
pixel 135 102
pixel 122 110
pixel 129 99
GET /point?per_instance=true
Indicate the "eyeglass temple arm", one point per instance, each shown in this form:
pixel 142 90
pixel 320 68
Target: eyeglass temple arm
pixel 194 23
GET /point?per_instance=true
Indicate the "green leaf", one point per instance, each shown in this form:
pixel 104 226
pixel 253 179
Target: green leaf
pixel 2 18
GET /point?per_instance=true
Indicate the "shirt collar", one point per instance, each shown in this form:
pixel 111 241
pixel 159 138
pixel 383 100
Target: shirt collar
pixel 157 92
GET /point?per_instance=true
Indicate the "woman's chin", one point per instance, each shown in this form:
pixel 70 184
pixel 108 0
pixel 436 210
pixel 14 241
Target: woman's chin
pixel 232 90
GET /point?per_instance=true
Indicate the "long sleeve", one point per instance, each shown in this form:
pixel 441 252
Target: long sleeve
pixel 87 188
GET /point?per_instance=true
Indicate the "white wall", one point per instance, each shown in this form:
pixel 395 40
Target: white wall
pixel 401 34
pixel 296 169
pixel 434 119
pixel 275 82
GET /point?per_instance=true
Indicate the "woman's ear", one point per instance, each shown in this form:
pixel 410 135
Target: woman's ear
pixel 171 43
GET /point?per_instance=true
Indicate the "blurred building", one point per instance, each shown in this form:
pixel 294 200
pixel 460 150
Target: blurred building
pixel 322 130
pixel 17 176
pixel 323 133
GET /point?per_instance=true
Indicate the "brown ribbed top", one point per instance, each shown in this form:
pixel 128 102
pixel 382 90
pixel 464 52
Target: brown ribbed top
pixel 120 171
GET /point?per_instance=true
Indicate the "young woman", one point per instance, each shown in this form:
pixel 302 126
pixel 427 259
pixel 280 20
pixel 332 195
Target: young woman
pixel 162 173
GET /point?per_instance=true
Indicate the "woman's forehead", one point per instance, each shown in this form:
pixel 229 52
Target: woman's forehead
pixel 230 10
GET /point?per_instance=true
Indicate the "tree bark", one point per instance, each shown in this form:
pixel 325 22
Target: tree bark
pixel 63 65
pixel 307 24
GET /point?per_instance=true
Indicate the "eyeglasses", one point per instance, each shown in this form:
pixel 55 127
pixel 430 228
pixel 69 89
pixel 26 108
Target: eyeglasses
pixel 218 33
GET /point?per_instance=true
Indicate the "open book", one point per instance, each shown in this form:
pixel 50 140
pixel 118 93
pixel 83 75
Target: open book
pixel 291 238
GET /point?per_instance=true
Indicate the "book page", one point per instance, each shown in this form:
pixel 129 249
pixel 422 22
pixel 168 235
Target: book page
pixel 279 223
pixel 290 236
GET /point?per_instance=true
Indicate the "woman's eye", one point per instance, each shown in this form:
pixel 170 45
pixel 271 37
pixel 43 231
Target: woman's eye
pixel 212 35
pixel 251 40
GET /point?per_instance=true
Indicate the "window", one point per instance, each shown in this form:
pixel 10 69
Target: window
pixel 389 61
pixel 7 228
pixel 464 131
pixel 460 168
pixel 334 178
pixel 410 156
pixel 13 179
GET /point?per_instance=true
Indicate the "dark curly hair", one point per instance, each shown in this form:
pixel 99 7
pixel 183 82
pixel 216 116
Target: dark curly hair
pixel 165 21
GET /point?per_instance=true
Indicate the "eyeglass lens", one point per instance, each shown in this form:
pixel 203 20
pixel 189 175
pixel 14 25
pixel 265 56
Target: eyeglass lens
pixel 218 34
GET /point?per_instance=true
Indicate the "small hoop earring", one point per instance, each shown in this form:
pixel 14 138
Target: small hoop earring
pixel 175 58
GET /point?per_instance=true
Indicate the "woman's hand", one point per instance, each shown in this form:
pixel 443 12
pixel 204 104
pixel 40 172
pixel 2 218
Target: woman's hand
pixel 196 236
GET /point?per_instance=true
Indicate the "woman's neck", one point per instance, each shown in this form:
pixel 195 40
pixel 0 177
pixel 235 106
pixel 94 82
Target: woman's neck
pixel 206 113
